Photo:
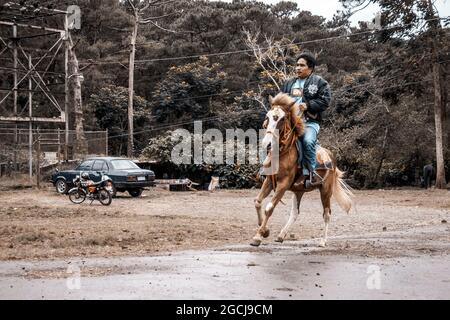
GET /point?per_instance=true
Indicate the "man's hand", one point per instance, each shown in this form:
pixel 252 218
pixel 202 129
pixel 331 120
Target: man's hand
pixel 303 107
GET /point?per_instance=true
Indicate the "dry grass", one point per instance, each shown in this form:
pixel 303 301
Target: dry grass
pixel 41 224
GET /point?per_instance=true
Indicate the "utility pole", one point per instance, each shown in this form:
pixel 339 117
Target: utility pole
pixel 66 87
pixel 30 114
pixel 130 148
pixel 80 145
pixel 15 65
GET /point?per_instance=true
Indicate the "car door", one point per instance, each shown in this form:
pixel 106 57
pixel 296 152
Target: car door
pixel 85 166
pixel 99 168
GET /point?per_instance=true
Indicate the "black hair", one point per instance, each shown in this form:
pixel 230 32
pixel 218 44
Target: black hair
pixel 309 58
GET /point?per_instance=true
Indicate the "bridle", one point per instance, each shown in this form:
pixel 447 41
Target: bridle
pixel 286 135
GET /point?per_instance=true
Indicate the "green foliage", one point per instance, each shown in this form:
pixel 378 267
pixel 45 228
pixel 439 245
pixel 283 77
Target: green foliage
pixel 110 107
pixel 159 148
pixel 237 176
pixel 187 92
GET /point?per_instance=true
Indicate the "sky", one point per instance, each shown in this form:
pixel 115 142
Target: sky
pixel 327 8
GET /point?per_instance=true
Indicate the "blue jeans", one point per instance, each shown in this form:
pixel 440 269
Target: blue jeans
pixel 308 143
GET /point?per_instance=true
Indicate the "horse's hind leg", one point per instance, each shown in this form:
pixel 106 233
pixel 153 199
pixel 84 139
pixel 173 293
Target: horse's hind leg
pixel 295 210
pixel 282 186
pixel 263 193
pixel 325 196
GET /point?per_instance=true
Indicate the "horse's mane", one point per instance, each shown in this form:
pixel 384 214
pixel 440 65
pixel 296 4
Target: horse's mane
pixel 287 103
pixel 283 100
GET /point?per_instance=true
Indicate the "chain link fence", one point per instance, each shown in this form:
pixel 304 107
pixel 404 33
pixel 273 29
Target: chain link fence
pixel 19 158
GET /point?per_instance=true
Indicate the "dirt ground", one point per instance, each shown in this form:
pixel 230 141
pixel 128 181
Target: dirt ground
pixel 40 224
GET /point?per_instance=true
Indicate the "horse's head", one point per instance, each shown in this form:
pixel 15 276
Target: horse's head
pixel 283 108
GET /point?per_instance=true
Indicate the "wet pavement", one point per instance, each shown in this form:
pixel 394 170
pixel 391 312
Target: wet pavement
pixel 292 270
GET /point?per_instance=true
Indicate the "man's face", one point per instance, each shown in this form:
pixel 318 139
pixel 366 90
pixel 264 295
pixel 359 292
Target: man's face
pixel 302 69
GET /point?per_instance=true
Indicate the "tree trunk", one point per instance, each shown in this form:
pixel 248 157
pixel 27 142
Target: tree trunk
pixel 81 148
pixel 383 156
pixel 438 117
pixel 438 101
pixel 445 112
pixel 131 87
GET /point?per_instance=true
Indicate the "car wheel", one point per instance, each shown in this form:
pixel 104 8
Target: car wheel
pixel 61 186
pixel 135 192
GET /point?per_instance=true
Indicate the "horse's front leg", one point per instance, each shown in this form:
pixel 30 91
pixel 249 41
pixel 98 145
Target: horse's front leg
pixel 295 210
pixel 282 186
pixel 263 193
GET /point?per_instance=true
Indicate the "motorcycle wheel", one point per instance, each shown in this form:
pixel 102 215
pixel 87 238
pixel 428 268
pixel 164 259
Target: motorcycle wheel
pixel 105 197
pixel 77 196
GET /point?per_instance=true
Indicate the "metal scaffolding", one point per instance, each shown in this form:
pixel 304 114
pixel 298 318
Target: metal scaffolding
pixel 32 65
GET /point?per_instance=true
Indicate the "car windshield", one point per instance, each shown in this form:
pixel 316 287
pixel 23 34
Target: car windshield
pixel 124 164
pixel 85 165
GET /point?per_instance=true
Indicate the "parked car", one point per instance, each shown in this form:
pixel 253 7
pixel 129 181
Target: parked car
pixel 125 174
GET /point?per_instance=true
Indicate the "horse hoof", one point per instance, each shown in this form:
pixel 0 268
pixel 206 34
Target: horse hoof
pixel 255 242
pixel 266 233
pixel 322 244
pixel 279 239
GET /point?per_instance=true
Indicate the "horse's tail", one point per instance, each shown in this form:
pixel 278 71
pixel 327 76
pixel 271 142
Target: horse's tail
pixel 342 192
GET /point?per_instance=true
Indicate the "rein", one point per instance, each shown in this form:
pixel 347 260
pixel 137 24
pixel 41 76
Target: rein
pixel 287 139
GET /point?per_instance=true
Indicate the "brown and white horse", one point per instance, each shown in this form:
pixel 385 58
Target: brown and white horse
pixel 283 126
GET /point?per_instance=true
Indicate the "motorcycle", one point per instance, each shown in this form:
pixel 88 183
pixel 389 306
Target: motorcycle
pixel 87 189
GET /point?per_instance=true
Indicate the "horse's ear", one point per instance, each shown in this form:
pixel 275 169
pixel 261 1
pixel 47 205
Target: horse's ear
pixel 265 124
pixel 270 99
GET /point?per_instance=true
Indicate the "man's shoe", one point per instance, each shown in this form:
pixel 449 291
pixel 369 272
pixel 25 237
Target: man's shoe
pixel 313 181
pixel 300 182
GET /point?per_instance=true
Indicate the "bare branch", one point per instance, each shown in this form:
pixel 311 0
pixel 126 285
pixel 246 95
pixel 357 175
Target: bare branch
pixel 158 26
pixel 145 21
pixel 145 7
pixel 260 99
pixel 154 3
pixel 251 42
pixel 359 5
pixel 91 63
pixel 132 5
pixel 159 3
pixel 118 29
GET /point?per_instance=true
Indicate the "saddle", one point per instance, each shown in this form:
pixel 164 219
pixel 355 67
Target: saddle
pixel 324 161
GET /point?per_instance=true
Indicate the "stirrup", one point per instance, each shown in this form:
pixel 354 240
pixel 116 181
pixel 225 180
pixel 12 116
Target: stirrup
pixel 308 182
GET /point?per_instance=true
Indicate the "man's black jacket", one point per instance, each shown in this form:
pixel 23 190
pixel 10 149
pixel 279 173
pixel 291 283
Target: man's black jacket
pixel 316 95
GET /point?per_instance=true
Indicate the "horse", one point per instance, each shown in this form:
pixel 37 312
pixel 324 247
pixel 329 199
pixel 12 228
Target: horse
pixel 283 127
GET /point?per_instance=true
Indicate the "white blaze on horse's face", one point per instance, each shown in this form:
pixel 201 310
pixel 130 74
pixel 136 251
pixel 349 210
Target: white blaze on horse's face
pixel 273 117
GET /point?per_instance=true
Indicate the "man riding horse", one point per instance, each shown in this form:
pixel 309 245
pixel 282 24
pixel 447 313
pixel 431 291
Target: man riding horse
pixel 313 94
pixel 284 128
